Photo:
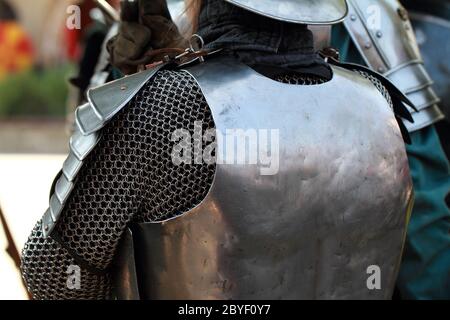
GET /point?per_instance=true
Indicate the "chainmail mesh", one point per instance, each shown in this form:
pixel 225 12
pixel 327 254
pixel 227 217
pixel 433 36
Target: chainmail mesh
pixel 128 177
pixel 305 80
pixel 44 266
pixel 377 83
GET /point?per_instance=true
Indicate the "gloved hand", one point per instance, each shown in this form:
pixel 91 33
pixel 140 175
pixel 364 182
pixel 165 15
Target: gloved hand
pixel 146 25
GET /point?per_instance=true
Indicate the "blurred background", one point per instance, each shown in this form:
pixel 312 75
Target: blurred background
pixel 38 56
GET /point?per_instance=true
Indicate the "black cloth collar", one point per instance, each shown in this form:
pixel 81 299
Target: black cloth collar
pixel 257 40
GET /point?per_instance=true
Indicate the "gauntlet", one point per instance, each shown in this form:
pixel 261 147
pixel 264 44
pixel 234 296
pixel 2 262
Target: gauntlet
pixel 146 26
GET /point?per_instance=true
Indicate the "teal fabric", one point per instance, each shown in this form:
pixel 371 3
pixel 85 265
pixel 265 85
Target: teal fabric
pixel 425 269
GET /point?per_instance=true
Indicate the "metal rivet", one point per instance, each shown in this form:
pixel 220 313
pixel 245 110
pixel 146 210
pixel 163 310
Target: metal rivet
pixel 381 69
pixel 123 88
pixel 379 34
pixel 368 45
pixel 46 228
pixel 352 17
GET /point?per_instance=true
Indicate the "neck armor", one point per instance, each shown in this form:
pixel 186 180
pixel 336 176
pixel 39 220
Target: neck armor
pixel 297 11
pixel 334 211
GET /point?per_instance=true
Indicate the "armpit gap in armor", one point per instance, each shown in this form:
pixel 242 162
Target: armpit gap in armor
pixel 384 91
pixel 306 80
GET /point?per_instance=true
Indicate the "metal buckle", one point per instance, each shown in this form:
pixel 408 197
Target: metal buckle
pixel 195 50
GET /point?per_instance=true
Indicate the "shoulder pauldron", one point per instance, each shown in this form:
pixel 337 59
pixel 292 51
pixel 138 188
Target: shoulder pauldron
pixel 383 34
pixel 104 103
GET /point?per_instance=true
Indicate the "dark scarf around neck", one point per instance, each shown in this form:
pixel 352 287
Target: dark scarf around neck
pixel 259 41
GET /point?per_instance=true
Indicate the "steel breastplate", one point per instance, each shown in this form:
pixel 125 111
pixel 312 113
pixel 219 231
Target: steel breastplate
pixel 337 205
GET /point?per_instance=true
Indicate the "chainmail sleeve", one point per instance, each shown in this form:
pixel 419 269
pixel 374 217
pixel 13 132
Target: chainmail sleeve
pixel 129 175
pixel 45 266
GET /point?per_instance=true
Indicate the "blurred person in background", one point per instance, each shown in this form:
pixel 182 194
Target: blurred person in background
pixel 6 12
pixel 16 49
pixel 142 31
pixel 88 43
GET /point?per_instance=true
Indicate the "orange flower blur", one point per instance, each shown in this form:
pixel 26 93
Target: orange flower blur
pixel 16 50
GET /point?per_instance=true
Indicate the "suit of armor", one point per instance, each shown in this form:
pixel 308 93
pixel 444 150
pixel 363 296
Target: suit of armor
pixel 140 226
